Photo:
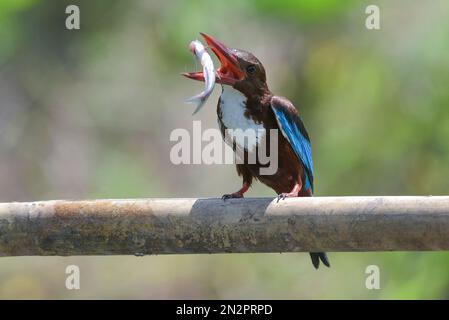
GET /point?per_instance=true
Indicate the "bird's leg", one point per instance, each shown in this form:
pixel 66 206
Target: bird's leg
pixel 238 194
pixel 293 193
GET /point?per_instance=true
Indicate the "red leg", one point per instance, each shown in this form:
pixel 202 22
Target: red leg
pixel 238 194
pixel 293 193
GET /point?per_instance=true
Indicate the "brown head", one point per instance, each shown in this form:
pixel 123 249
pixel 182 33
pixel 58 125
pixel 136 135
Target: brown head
pixel 239 69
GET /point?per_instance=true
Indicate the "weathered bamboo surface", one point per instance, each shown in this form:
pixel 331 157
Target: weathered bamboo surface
pixel 166 226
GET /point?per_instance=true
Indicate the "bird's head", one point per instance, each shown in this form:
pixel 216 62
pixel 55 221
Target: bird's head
pixel 239 69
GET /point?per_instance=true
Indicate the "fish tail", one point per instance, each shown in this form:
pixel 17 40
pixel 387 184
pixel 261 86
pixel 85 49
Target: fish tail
pixel 198 100
pixel 195 99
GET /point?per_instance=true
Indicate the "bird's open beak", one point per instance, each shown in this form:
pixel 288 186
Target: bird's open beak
pixel 229 71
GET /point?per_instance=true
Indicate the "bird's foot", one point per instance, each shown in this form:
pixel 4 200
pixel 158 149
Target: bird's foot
pixel 238 194
pixel 292 194
pixel 235 195
pixel 283 196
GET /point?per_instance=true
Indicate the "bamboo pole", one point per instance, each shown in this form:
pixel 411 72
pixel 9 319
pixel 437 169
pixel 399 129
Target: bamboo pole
pixel 166 226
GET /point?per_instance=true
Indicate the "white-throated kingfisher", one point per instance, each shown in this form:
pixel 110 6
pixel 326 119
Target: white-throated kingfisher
pixel 247 103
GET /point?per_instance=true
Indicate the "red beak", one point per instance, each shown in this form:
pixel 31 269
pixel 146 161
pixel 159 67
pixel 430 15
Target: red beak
pixel 229 71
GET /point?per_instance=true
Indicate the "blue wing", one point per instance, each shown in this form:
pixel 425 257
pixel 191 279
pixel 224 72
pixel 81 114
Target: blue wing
pixel 293 130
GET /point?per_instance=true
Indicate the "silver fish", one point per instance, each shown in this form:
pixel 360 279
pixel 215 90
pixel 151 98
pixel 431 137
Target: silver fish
pixel 201 54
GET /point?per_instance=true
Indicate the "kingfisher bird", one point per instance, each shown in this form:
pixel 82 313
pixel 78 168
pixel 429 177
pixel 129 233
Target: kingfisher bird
pixel 247 103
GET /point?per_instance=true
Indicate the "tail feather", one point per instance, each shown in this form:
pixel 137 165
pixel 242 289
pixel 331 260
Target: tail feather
pixel 317 256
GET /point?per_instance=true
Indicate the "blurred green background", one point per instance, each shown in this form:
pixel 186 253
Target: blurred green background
pixel 88 113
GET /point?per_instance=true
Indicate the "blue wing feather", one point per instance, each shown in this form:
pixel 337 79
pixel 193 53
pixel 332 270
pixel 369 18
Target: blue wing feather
pixel 294 131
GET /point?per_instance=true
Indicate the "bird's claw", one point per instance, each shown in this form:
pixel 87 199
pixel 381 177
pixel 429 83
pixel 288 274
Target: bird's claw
pixel 235 195
pixel 282 196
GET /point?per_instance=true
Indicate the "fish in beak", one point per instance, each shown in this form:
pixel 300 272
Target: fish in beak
pixel 229 72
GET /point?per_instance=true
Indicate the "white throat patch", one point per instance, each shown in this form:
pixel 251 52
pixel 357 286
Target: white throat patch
pixel 246 133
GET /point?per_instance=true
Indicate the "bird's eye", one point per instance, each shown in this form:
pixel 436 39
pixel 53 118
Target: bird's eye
pixel 251 69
